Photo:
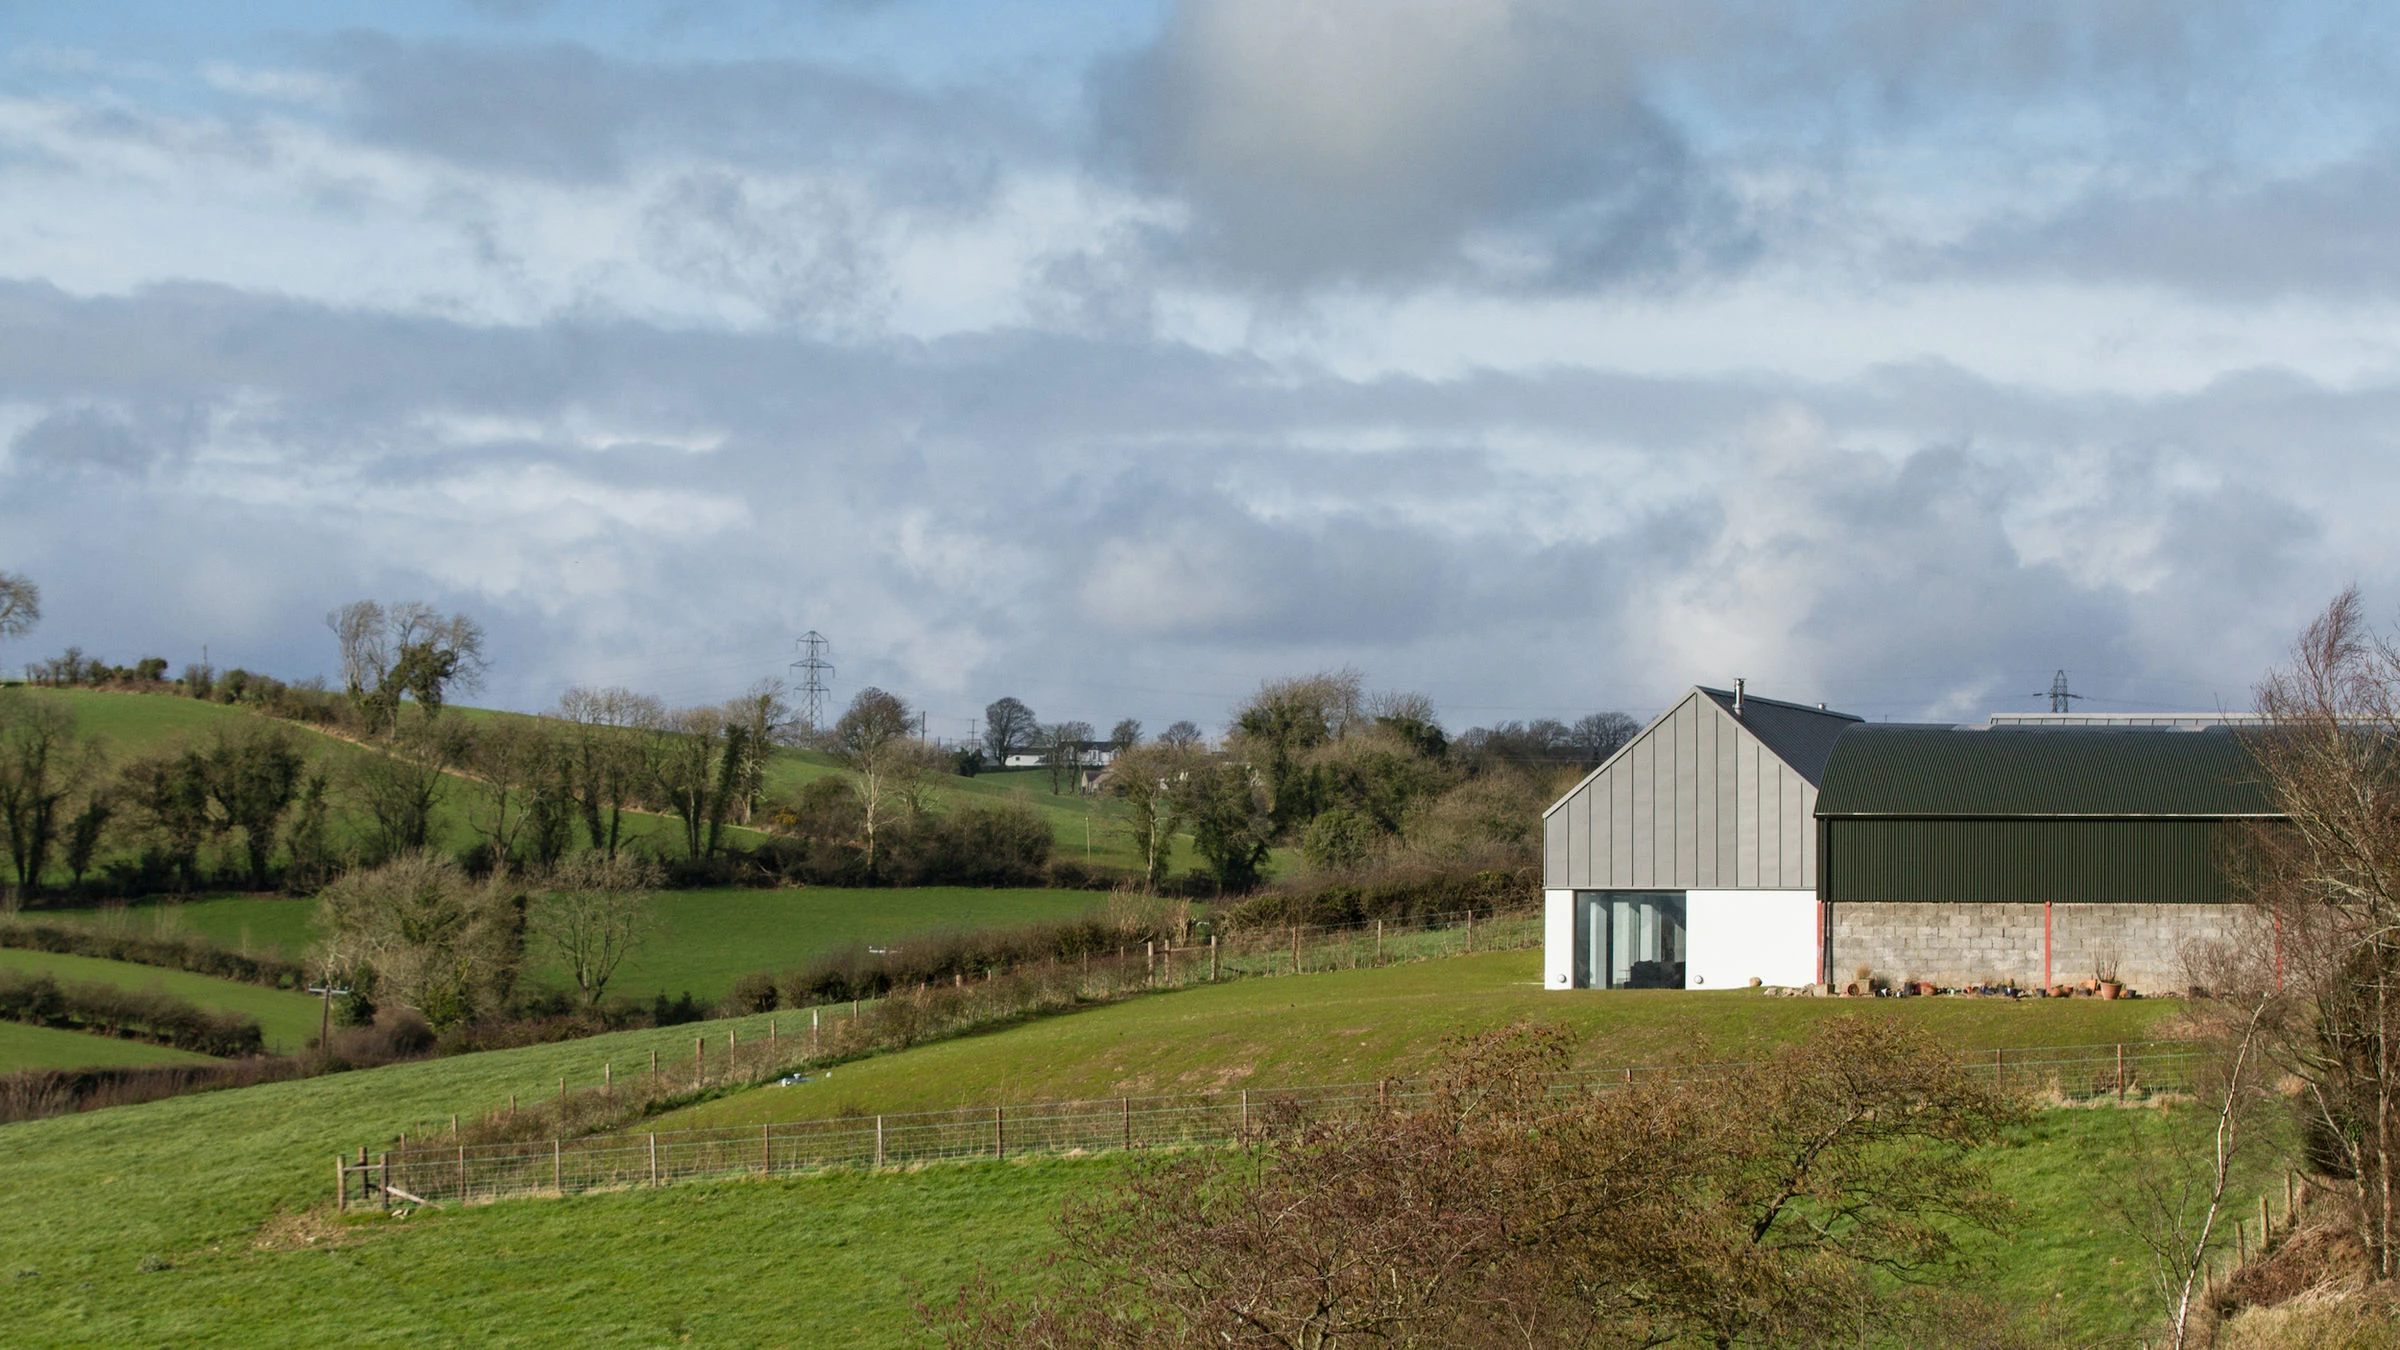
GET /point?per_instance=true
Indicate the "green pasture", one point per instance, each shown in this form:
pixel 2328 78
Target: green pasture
pixel 707 939
pixel 703 941
pixel 254 925
pixel 1362 1025
pixel 226 1189
pixel 24 1047
pixel 289 1019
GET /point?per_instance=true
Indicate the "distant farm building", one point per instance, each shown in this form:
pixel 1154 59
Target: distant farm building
pixel 1740 839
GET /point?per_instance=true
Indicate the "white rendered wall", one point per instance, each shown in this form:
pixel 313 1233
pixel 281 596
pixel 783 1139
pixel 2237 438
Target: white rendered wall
pixel 1732 937
pixel 1558 939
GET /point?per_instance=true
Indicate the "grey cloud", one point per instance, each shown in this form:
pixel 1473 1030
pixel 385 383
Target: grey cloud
pixel 83 439
pixel 568 113
pixel 1368 144
pixel 1130 513
pixel 2326 232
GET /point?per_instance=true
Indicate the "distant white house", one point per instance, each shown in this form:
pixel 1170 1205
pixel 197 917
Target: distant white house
pixel 1091 756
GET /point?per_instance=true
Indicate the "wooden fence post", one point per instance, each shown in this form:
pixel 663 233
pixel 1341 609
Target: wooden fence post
pixel 1379 942
pixel 766 1150
pixel 999 1132
pixel 341 1185
pixel 462 1174
pixel 878 1141
pixel 1295 949
pixel 1125 1108
pixel 383 1177
pixel 654 1070
pixel 1212 958
pixel 1150 962
pixel 699 1061
pixel 654 1161
pixel 1245 1110
pixel 558 1173
pixel 1470 930
pixel 2120 1074
pixel 608 1078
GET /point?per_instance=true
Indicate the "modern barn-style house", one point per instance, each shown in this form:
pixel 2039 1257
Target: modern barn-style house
pixel 1739 839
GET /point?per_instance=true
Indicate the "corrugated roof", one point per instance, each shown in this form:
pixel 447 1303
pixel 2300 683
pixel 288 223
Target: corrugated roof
pixel 1799 735
pixel 1878 770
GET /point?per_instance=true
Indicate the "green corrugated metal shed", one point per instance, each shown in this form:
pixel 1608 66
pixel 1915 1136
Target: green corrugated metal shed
pixel 1954 816
pixel 1948 771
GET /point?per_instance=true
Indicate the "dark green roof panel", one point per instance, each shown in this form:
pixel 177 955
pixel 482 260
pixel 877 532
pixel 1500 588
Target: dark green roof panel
pixel 1922 771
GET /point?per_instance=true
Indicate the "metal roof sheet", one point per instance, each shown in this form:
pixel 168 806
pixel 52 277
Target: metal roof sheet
pixel 1877 770
pixel 1798 735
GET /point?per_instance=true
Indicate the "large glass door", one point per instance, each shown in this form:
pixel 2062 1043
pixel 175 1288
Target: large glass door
pixel 1629 939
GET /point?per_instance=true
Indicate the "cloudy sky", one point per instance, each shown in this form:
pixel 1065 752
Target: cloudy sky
pixel 1539 355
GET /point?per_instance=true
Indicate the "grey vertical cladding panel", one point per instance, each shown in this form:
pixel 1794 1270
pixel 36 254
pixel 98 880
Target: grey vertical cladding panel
pixel 1556 829
pixel 1620 825
pixel 1729 799
pixel 1638 835
pixel 1704 801
pixel 1687 775
pixel 1787 829
pixel 1746 815
pixel 1808 838
pixel 1574 821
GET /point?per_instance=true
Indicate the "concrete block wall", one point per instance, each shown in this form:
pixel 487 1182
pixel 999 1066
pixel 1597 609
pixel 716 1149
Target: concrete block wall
pixel 1952 944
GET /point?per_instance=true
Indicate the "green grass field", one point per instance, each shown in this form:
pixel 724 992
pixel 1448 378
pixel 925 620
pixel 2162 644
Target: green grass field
pixel 705 939
pixel 289 1019
pixel 24 1047
pixel 219 1187
pixel 1357 1026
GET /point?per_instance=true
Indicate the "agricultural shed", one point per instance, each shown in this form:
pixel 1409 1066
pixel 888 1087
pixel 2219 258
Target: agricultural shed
pixel 2040 854
pixel 1689 858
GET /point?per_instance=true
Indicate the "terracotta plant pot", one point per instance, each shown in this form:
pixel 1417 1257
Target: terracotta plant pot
pixel 2111 989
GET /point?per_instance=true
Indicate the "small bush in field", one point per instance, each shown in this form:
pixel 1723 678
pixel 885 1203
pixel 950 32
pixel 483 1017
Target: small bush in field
pixel 752 993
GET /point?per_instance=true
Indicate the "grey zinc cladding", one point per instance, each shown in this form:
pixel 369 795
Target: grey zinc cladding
pixel 1700 800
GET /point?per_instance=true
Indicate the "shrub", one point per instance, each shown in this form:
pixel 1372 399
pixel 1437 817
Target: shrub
pixel 138 1014
pixel 752 993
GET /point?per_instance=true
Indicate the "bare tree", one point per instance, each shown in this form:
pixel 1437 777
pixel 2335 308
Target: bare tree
pixel 44 763
pixel 2327 875
pixel 2175 1199
pixel 1125 735
pixel 426 936
pixel 1008 726
pixel 1146 778
pixel 764 717
pixel 20 604
pixel 1183 733
pixel 407 650
pixel 591 913
pixel 1062 744
pixel 702 758
pixel 877 742
pixel 516 768
pixel 607 745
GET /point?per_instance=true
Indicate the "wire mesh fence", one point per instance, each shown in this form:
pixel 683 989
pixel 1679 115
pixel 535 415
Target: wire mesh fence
pixel 799 1038
pixel 466 1173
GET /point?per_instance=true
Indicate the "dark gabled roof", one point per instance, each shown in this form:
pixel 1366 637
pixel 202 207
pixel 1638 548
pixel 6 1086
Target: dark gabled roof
pixel 1798 735
pixel 1880 770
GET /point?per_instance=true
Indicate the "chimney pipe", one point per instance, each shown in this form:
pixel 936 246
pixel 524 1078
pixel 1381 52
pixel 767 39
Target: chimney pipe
pixel 1737 695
